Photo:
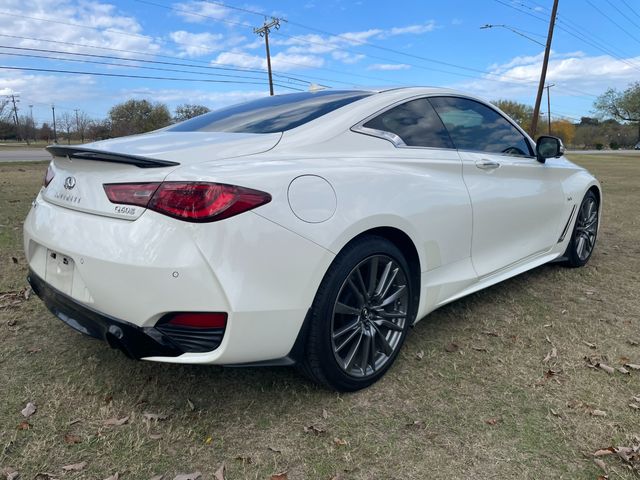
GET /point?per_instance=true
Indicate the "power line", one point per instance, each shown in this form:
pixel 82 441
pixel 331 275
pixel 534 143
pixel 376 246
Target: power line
pixel 204 64
pixel 121 75
pixel 623 15
pixel 613 21
pixel 631 8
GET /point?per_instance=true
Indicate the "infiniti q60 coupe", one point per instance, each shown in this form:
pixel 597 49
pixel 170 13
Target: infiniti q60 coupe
pixel 311 229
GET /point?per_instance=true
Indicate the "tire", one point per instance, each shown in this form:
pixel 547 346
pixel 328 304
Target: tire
pixel 359 322
pixel 585 231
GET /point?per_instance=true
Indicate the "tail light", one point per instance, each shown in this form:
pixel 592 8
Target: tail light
pixel 190 201
pixel 48 177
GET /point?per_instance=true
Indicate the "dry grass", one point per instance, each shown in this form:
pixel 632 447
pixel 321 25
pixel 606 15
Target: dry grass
pixel 253 419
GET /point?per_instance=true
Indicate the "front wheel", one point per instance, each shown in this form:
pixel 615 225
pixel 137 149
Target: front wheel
pixel 360 316
pixel 585 231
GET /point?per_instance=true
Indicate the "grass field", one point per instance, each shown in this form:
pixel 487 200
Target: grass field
pixel 489 408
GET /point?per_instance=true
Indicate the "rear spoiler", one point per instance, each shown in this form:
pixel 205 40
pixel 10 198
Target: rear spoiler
pixel 102 156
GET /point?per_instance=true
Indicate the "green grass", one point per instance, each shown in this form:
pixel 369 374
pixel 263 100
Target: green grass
pixel 249 413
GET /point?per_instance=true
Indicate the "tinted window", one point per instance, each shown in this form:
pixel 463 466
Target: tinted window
pixel 415 122
pixel 271 114
pixel 474 126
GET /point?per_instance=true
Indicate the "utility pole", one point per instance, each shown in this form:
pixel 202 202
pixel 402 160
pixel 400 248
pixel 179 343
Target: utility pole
pixel 55 134
pixel 543 74
pixel 33 125
pixel 264 32
pixel 549 85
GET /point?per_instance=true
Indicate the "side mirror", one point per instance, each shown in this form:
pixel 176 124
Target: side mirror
pixel 548 147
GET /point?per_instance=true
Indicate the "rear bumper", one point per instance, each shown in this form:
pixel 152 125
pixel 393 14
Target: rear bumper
pixel 136 342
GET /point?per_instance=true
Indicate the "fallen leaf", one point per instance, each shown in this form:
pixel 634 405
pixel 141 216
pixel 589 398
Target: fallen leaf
pixel 23 425
pixel 71 439
pixel 589 344
pixel 339 441
pixel 115 476
pixel 45 476
pixel 13 322
pixel 633 343
pixel 492 421
pixel 155 436
pixel 157 417
pixel 14 260
pixel 188 476
pixel 600 464
pixel 29 410
pixel 604 451
pixel 314 429
pixel 27 293
pixel 623 370
pixel 325 414
pixel 636 399
pixel 452 347
pixel 606 368
pixel 33 350
pixel 208 440
pixel 416 424
pixel 274 450
pixel 552 354
pixel 157 477
pixel 551 373
pixel 420 355
pixel 632 366
pixel 73 422
pixel 635 406
pixel 190 404
pixel 480 349
pixel 555 413
pixel 9 473
pixel 219 475
pixel 598 413
pixel 115 421
pixel 75 467
pixel 623 359
pixel 279 476
pixel 546 337
pixel 491 334
pixel 244 459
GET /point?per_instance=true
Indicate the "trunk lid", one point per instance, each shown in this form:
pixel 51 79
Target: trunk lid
pixel 81 171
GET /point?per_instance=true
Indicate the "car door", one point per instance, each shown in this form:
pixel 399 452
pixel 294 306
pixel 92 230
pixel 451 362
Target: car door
pixel 518 202
pixel 434 197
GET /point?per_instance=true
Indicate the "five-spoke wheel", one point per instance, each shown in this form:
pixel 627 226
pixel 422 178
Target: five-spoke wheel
pixel 583 239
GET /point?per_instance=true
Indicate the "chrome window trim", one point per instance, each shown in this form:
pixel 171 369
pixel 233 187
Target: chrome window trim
pixel 399 143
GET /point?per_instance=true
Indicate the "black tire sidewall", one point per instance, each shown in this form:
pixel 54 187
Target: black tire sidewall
pixel 320 344
pixel 573 260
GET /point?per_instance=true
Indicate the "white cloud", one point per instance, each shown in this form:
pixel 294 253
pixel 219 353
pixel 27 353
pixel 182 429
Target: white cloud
pixel 198 11
pixel 389 66
pixel 212 99
pixel 196 44
pixel 47 89
pixel 410 29
pixel 574 74
pixel 282 61
pixel 101 18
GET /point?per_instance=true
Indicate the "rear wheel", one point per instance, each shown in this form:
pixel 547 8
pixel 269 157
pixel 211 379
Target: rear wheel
pixel 585 231
pixel 360 316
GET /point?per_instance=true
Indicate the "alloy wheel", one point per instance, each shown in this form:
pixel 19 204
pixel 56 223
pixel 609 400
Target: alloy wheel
pixel 369 316
pixel 586 228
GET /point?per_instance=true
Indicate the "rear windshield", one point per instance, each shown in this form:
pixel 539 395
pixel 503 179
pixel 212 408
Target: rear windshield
pixel 271 114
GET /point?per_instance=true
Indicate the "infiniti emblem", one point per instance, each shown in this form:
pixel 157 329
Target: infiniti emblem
pixel 69 183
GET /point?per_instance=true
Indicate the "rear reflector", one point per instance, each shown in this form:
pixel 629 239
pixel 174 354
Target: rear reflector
pixel 191 201
pixel 198 320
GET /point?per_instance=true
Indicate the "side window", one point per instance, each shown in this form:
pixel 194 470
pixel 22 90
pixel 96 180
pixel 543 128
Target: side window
pixel 415 122
pixel 474 126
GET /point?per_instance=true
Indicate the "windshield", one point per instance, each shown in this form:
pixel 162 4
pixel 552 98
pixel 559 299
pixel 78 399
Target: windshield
pixel 271 114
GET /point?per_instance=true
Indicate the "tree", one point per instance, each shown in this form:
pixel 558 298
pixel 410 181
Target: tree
pixel 82 122
pixel 189 110
pixel 565 130
pixel 67 122
pixel 519 112
pixel 623 106
pixel 45 132
pixel 99 130
pixel 138 116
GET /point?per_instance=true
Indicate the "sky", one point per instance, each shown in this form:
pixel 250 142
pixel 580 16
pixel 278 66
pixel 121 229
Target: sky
pixel 206 52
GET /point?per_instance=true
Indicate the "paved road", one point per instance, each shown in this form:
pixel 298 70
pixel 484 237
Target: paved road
pixel 23 155
pixel 604 152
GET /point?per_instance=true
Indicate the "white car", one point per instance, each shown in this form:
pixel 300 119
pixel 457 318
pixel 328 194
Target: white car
pixel 310 229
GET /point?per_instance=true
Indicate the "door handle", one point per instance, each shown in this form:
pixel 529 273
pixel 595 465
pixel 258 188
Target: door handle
pixel 487 164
